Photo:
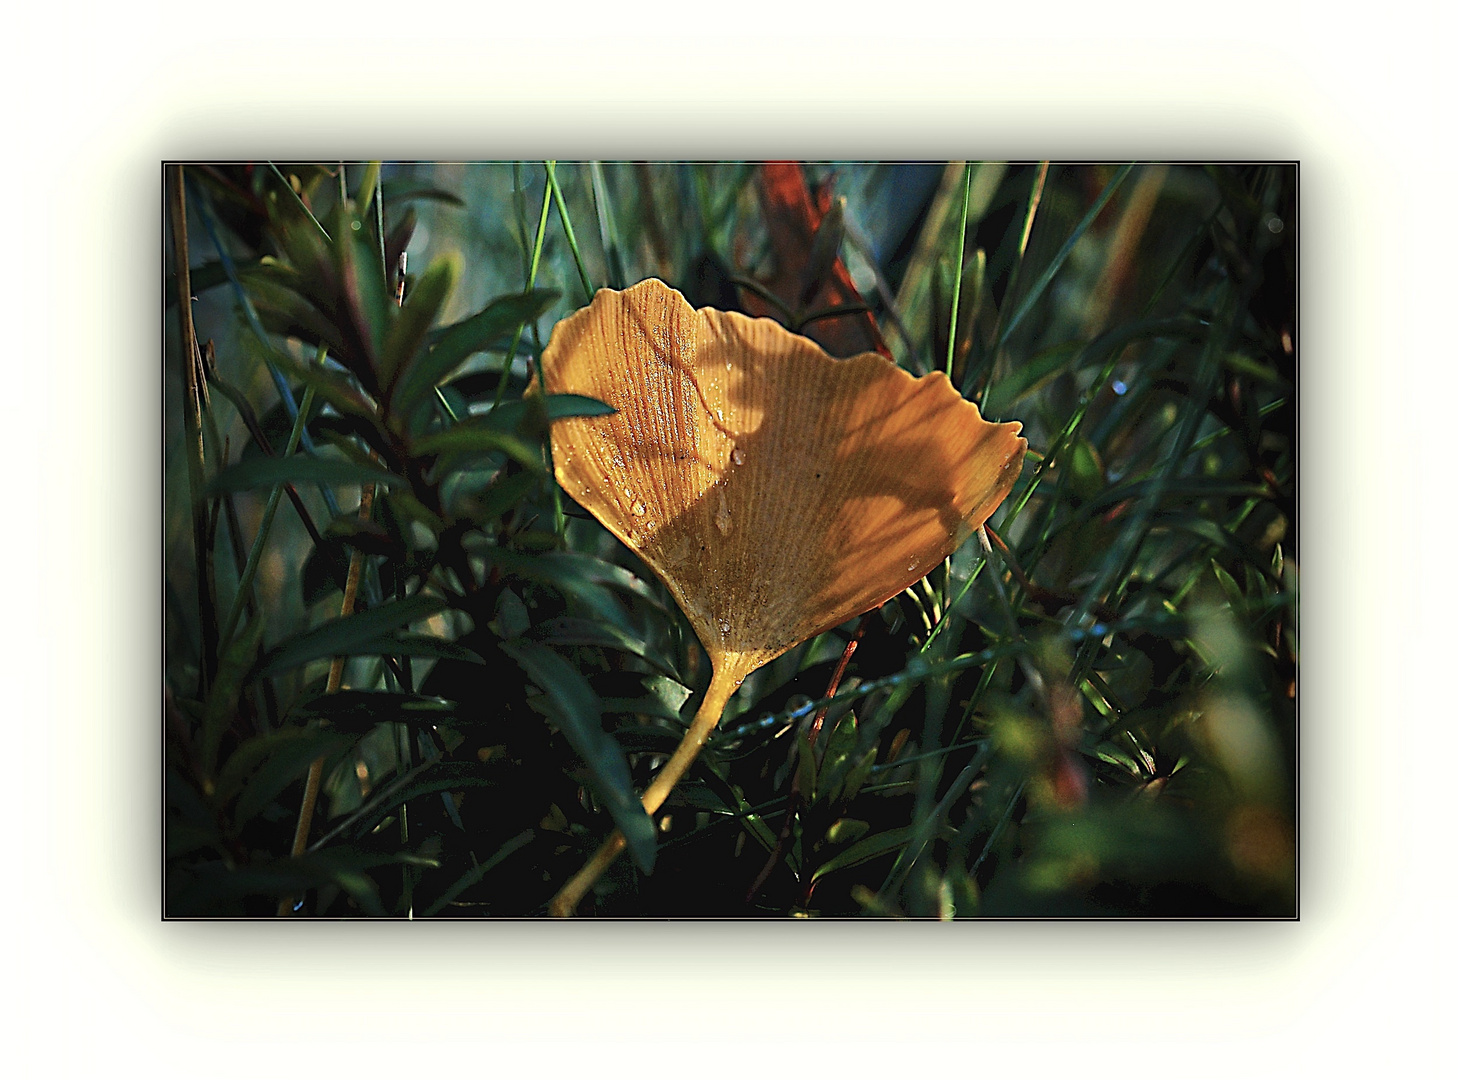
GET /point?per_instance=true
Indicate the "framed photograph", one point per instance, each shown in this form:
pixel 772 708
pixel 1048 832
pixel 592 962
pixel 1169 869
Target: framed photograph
pixel 730 540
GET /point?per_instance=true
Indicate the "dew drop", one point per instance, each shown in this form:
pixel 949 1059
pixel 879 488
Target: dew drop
pixel 723 626
pixel 721 516
pixel 639 509
pixel 737 456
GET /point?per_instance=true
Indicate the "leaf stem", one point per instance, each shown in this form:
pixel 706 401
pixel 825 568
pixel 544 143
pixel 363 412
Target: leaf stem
pixel 725 681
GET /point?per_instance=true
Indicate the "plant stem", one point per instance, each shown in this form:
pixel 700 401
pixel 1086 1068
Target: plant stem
pixel 567 227
pixel 192 419
pixel 725 681
pixel 255 554
pixel 336 678
pixel 957 267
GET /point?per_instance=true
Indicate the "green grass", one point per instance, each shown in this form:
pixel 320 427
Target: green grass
pixel 1093 716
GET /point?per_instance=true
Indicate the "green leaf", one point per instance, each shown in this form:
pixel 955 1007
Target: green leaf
pixel 361 710
pixel 476 873
pixel 578 712
pixel 348 634
pixel 863 851
pixel 214 883
pixel 422 306
pixel 368 309
pixel 662 697
pixel 565 630
pixel 473 436
pixel 572 570
pixel 838 750
pixel 846 829
pixel 336 390
pixel 401 189
pixel 223 697
pixel 438 777
pixel 457 343
pixel 805 770
pixel 504 494
pixel 265 765
pixel 1030 375
pixel 859 774
pixel 423 645
pixel 265 472
pixel 561 406
pixel 1234 596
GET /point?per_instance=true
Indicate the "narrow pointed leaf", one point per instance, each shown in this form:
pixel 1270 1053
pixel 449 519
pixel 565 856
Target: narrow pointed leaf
pixel 476 437
pixel 578 712
pixel 872 847
pixel 346 635
pixel 265 472
pixel 458 342
pixel 422 306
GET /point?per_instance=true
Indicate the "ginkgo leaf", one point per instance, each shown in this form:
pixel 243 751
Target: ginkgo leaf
pixel 774 490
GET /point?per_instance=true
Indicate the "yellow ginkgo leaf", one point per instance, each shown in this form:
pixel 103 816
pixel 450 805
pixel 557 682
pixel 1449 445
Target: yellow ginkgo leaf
pixel 776 491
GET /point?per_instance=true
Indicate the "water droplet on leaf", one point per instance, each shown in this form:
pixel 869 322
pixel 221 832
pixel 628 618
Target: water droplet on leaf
pixel 721 516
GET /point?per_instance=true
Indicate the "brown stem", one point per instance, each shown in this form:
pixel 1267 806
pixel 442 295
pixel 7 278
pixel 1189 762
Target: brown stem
pixel 336 678
pixel 190 362
pixel 726 679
